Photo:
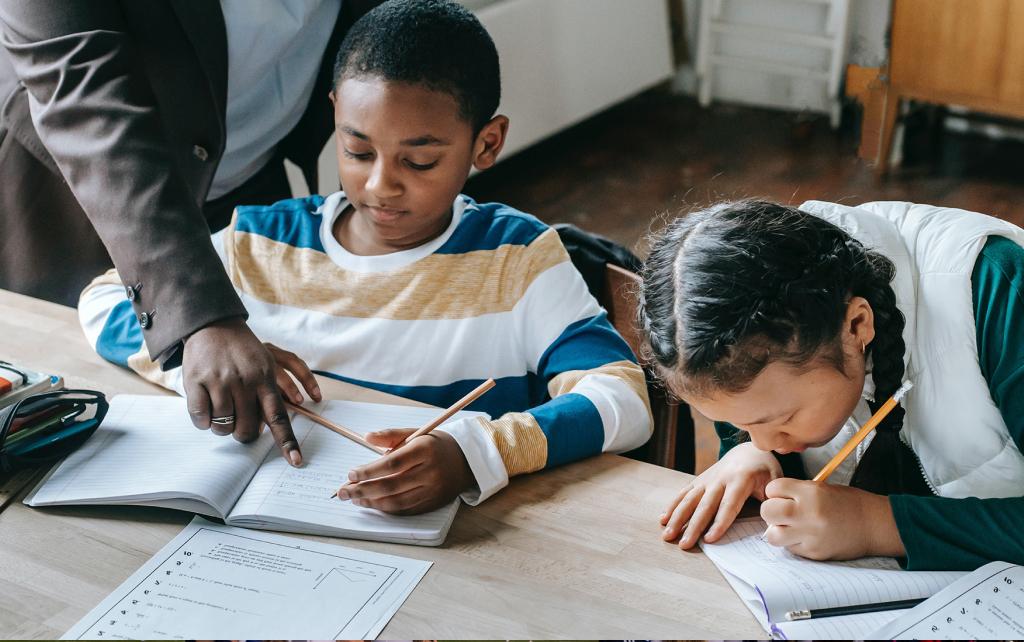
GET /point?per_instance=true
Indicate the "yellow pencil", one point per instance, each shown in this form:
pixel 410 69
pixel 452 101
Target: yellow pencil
pixel 871 424
pixel 851 445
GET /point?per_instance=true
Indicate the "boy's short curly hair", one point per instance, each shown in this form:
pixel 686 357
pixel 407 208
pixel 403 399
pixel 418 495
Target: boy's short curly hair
pixel 436 43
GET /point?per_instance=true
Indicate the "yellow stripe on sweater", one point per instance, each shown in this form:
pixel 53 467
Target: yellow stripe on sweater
pixel 519 440
pixel 150 370
pixel 110 277
pixel 439 286
pixel 628 372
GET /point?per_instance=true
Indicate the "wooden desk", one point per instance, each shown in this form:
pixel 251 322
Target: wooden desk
pixel 572 552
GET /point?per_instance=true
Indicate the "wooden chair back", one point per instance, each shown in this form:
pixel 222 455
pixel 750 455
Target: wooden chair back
pixel 672 444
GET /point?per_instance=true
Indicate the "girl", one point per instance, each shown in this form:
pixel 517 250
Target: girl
pixel 789 327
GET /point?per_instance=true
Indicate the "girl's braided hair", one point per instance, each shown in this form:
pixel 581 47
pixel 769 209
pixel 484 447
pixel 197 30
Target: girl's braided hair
pixel 731 288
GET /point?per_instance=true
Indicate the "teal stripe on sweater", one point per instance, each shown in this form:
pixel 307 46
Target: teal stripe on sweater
pixel 121 336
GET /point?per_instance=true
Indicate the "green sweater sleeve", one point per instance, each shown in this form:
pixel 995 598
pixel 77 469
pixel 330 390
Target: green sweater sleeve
pixel 948 533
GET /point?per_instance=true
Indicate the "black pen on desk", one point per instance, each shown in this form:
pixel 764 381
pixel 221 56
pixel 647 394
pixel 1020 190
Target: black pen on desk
pixel 807 614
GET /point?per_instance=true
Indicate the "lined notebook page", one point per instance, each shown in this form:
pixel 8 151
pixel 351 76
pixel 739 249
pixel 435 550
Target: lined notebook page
pixel 788 582
pixel 147 448
pixel 280 495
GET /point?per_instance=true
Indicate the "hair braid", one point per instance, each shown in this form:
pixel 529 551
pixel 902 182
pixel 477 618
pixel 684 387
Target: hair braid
pixel 887 348
pixel 888 466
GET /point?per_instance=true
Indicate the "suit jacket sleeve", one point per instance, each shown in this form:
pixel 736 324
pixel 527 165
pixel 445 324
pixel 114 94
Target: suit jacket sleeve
pixel 95 113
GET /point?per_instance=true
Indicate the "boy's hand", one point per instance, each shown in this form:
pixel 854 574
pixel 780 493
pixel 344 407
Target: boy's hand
pixel 823 521
pixel 422 475
pixel 719 492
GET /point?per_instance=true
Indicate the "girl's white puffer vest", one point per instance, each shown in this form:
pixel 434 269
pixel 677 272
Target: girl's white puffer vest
pixel 951 421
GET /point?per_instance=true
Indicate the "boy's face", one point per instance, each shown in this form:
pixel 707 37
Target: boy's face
pixel 404 153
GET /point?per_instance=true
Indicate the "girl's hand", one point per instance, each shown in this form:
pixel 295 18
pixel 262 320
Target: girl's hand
pixel 822 521
pixel 719 492
pixel 424 474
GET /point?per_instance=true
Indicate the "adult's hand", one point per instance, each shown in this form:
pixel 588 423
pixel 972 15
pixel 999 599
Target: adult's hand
pixel 228 373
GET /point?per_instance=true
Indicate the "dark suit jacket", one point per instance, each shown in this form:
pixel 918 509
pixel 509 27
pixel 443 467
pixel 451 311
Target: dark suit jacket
pixel 117 108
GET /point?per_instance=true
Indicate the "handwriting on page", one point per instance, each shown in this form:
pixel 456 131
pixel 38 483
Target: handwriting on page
pixel 990 607
pixel 217 581
pixel 279 492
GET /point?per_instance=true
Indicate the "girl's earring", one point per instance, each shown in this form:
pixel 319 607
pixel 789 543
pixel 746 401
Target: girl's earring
pixel 863 347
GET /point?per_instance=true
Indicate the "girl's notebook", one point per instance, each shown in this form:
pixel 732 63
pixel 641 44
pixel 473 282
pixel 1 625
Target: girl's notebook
pixel 771 581
pixel 148 453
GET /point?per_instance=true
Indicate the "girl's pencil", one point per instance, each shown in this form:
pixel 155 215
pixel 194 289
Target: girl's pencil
pixel 871 424
pixel 866 429
pixel 807 614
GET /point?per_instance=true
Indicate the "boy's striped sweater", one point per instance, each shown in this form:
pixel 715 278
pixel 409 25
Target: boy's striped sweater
pixel 494 296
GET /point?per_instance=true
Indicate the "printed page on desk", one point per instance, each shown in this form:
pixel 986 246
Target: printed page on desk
pixel 147 452
pixel 773 581
pixel 280 497
pixel 987 604
pixel 219 582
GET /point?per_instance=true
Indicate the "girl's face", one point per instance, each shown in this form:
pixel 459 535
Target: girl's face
pixel 789 409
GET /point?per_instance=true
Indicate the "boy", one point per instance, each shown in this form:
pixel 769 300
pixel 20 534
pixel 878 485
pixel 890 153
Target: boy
pixel 401 284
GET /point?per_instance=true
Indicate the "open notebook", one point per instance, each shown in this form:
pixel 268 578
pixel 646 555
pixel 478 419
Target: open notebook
pixel 146 452
pixel 771 582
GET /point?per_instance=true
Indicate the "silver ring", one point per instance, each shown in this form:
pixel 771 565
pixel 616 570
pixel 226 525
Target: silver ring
pixel 226 420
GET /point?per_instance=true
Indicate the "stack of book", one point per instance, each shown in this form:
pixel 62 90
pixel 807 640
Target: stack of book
pixel 17 383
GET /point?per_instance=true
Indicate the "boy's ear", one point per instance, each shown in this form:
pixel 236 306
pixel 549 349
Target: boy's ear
pixel 489 142
pixel 334 99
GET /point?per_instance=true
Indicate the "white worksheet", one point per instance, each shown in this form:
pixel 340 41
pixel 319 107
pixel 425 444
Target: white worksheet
pixel 221 582
pixel 988 604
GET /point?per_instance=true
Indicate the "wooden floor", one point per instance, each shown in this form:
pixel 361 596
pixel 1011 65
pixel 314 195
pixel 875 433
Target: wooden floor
pixel 621 172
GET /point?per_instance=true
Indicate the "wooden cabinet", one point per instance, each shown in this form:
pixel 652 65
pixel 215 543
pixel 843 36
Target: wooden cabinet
pixel 958 52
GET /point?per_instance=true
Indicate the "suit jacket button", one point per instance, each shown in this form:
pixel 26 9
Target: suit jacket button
pixel 145 321
pixel 200 152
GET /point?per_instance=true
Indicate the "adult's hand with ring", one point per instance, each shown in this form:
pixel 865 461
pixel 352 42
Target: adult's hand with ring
pixel 229 374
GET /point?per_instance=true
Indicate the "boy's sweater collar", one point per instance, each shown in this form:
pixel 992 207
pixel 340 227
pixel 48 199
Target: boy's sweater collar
pixel 336 203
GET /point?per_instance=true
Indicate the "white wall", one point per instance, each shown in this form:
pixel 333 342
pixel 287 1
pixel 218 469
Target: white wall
pixel 869 25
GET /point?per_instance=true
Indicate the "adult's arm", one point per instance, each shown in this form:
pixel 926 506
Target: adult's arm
pixel 94 111
pixel 96 116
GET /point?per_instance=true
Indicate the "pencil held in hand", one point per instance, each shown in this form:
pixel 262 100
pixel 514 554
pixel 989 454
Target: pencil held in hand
pixel 871 424
pixel 470 397
pixel 866 429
